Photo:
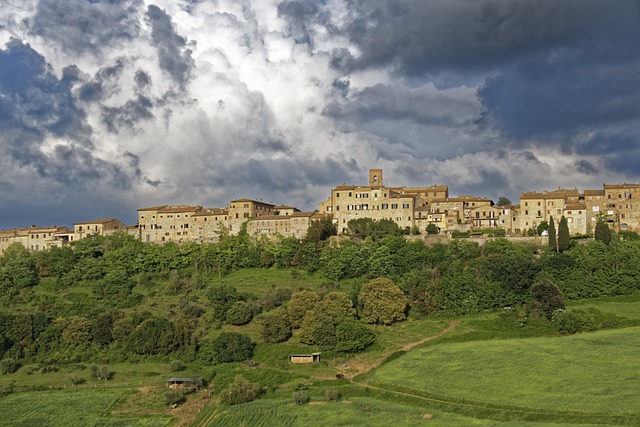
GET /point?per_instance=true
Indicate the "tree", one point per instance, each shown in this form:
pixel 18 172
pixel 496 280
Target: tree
pixel 17 268
pixel 239 313
pixel 321 229
pixel 102 327
pixel 553 243
pixel 542 227
pixel 319 328
pixel 546 297
pixel 299 304
pixel 602 232
pixel 352 336
pixel 222 298
pixel 362 228
pixel 564 240
pixel 503 201
pixel 432 228
pixel 275 326
pixel 226 348
pixel 382 302
pixel 337 304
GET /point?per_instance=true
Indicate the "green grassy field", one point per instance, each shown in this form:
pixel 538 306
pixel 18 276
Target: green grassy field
pixel 588 373
pixel 85 407
pixel 353 411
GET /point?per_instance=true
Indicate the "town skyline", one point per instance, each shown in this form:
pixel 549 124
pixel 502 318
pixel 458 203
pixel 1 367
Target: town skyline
pixel 110 106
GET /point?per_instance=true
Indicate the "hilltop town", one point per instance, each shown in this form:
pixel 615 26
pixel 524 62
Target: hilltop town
pixel 412 208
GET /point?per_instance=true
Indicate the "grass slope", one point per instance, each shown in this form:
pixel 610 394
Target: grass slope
pixel 69 408
pixel 593 373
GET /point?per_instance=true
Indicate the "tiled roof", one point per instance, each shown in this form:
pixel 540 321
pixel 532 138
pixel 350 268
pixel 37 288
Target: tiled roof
pixel 180 209
pixel 153 208
pixel 97 221
pixel 211 211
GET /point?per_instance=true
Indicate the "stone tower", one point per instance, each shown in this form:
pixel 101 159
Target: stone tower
pixel 375 177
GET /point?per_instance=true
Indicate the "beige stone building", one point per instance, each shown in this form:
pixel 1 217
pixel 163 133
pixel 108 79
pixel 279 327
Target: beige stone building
pixel 289 225
pixel 36 238
pixel 209 224
pixel 379 202
pixel 99 227
pixel 622 202
pixel 166 223
pixel 241 210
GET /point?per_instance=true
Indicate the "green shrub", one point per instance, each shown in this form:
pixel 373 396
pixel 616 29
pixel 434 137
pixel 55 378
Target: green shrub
pixel 301 397
pixel 239 313
pixel 332 394
pixel 241 390
pixel 9 366
pixel 572 322
pixel 174 397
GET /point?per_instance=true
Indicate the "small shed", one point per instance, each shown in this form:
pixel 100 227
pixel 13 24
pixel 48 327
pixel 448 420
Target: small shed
pixel 305 358
pixel 179 382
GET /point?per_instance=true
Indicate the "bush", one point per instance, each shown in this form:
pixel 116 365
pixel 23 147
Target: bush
pixel 382 302
pixel 241 390
pixel 239 313
pixel 301 397
pixel 101 373
pixel 174 397
pixel 9 366
pixel 352 336
pixel 332 394
pixel 572 322
pixel 177 366
pixel 545 299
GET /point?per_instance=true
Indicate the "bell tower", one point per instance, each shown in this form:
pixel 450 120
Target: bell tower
pixel 375 177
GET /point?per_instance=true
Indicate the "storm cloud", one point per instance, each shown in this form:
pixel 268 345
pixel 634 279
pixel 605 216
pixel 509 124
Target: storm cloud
pixel 110 105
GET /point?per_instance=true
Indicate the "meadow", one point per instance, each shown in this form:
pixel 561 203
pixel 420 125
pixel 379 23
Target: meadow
pixel 585 374
pixel 81 407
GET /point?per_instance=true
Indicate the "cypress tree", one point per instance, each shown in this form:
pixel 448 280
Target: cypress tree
pixel 602 232
pixel 553 243
pixel 563 235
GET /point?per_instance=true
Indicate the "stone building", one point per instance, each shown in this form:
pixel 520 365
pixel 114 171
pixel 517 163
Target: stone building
pixel 622 202
pixel 240 210
pixel 379 202
pixel 166 223
pixel 36 238
pixel 99 227
pixel 289 225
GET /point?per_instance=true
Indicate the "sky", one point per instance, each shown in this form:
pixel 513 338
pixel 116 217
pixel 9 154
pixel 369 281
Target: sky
pixel 107 106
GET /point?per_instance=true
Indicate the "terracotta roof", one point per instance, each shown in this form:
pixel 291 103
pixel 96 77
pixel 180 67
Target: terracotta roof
pixel 211 211
pixel 97 221
pixel 620 186
pixel 302 214
pixel 180 209
pixel 594 192
pixel 252 201
pixel 153 208
pixel 576 206
pixel 532 195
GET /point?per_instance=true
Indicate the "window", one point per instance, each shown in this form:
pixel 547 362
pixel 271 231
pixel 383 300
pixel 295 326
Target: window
pixel 405 206
pixel 337 208
pixel 246 215
pixel 385 206
pixel 365 207
pixel 349 193
pixel 337 194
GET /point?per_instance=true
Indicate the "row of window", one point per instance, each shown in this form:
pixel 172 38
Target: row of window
pixel 366 206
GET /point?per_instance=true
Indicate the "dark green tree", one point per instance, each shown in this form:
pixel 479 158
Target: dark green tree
pixel 321 229
pixel 602 232
pixel 564 240
pixel 226 348
pixel 275 326
pixel 553 242
pixel 299 304
pixel 503 201
pixel 352 336
pixel 319 328
pixel 337 305
pixel 546 297
pixel 17 268
pixel 382 302
pixel 543 226
pixel 239 313
pixel 432 229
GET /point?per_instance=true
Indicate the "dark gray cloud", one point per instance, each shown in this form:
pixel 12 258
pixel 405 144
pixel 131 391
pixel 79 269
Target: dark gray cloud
pixel 175 57
pixel 37 106
pixel 34 102
pixel 83 26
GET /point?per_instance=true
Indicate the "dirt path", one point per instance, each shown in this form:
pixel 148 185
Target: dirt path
pixel 357 367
